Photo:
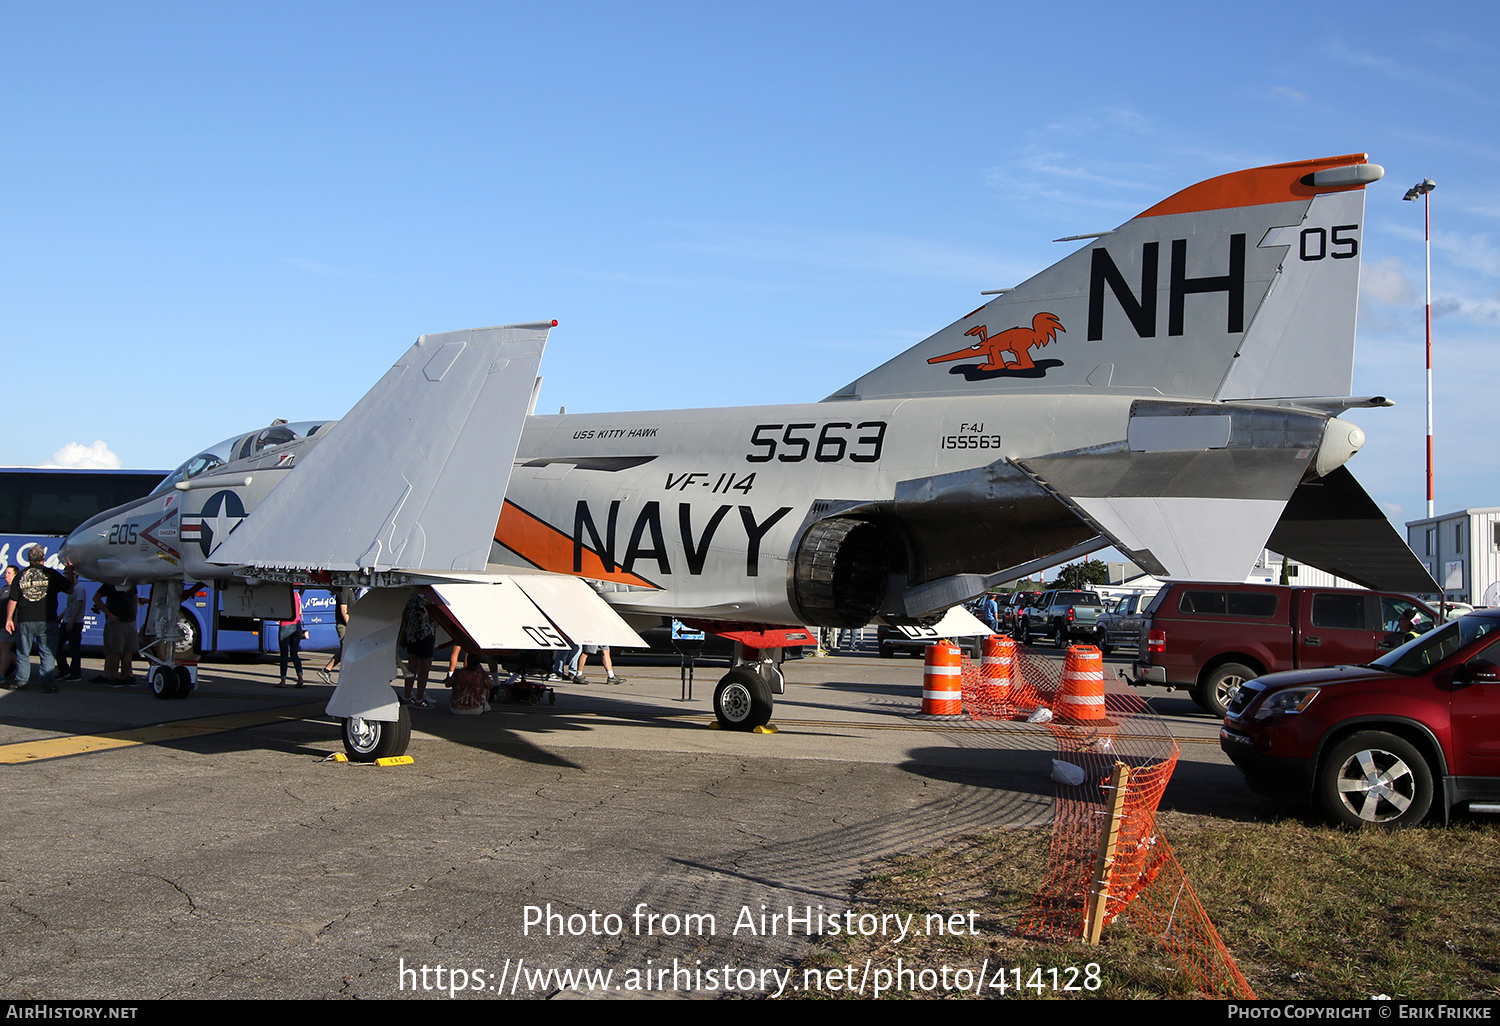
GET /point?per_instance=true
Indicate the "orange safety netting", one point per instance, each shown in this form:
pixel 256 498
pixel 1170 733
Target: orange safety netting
pixel 1147 889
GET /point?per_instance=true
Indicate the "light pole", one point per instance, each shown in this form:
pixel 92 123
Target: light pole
pixel 1422 188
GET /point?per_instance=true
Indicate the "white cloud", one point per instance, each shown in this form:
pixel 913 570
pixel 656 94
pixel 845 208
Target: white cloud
pixel 75 456
pixel 1473 252
pixel 1385 281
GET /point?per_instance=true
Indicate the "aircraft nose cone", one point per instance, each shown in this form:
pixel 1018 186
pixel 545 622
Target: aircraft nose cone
pixel 83 548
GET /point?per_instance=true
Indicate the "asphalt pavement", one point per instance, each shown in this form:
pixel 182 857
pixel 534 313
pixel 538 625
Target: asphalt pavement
pixel 210 848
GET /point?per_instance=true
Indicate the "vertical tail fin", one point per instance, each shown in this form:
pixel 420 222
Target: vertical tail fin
pixel 1244 286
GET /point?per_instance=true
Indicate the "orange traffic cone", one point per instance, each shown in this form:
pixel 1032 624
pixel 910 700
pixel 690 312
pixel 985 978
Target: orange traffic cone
pixel 1082 698
pixel 942 680
pixel 998 670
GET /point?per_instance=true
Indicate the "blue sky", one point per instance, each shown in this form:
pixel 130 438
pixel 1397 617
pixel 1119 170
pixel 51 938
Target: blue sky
pixel 248 211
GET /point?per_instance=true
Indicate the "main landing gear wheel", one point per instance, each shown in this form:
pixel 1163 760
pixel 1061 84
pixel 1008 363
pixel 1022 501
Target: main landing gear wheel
pixel 368 740
pixel 742 701
pixel 1375 779
pixel 1220 686
pixel 167 682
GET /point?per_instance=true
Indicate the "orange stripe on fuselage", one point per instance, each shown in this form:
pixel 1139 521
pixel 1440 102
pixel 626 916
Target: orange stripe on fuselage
pixel 545 547
pixel 1277 183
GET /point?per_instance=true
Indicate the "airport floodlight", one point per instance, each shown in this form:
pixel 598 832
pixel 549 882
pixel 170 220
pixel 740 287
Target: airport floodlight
pixel 1422 188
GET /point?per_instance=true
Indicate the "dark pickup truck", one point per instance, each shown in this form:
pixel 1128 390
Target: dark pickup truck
pixel 1064 616
pixel 1212 638
pixel 1120 626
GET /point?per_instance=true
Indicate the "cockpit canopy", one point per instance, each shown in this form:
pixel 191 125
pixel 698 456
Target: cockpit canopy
pixel 242 447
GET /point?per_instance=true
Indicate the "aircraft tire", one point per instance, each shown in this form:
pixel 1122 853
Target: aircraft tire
pixel 163 682
pixel 742 701
pixel 368 740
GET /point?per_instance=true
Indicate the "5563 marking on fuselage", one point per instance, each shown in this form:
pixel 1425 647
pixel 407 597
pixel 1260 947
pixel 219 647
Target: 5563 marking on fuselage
pixel 830 444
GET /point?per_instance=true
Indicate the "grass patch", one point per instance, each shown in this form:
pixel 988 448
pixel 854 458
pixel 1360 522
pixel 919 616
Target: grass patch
pixel 1306 911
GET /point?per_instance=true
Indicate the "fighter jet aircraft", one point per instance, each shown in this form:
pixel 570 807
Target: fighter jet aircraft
pixel 1166 388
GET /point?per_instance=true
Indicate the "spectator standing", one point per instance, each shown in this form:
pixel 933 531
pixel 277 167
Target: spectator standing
pixel 421 641
pixel 119 604
pixel 7 638
pixel 289 640
pixel 343 599
pixel 70 631
pixel 31 615
pixel 989 612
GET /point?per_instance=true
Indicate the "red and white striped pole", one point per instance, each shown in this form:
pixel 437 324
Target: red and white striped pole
pixel 1422 189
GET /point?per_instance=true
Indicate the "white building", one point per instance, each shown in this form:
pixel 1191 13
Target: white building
pixel 1270 566
pixel 1462 552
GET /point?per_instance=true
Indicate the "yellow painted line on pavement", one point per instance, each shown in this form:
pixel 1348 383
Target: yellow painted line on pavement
pixel 157 733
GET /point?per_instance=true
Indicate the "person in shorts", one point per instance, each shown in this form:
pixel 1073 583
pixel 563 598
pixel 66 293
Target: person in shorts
pixel 343 599
pixel 421 641
pixel 118 603
pixel 602 651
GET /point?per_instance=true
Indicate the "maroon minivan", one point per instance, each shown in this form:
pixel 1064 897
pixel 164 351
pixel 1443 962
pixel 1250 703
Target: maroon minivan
pixel 1212 638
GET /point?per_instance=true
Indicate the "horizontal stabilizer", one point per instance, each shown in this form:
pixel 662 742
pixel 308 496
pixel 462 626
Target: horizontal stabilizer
pixel 414 476
pixel 1333 524
pixel 1194 489
pixel 1185 537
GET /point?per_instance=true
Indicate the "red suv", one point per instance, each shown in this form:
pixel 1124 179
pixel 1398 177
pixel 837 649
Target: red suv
pixel 1380 743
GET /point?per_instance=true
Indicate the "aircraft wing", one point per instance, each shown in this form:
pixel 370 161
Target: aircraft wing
pixel 414 476
pixel 535 611
pixel 526 611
